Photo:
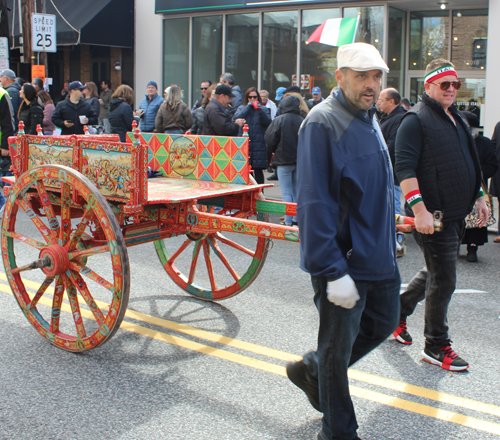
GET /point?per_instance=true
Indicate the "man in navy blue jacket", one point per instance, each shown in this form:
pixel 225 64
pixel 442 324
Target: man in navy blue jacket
pixel 345 210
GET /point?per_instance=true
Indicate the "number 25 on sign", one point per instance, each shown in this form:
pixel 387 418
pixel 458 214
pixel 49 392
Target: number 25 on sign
pixel 43 33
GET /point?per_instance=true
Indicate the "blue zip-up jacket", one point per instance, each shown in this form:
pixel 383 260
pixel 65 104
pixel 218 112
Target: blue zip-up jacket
pixel 345 203
pixel 150 107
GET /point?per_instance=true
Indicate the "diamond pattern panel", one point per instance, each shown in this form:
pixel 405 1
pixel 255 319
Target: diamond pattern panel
pixel 218 159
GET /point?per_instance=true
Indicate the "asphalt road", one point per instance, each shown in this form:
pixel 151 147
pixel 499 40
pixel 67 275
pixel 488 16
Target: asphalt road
pixel 158 380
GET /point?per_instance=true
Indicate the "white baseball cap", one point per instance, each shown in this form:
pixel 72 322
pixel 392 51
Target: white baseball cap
pixel 360 57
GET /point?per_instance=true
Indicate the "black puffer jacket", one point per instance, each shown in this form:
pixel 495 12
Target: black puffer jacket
pixel 282 136
pixel 32 115
pixel 258 121
pixel 198 116
pixel 120 117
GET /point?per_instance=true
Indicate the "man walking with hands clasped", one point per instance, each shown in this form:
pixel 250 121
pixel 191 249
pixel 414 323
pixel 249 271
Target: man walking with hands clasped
pixel 345 210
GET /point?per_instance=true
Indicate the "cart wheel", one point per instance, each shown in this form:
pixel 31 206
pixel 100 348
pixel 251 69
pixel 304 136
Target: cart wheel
pixel 65 257
pixel 228 265
pixel 230 261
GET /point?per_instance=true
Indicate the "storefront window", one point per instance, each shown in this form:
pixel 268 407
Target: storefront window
pixel 470 32
pixel 279 50
pixel 396 50
pixel 176 54
pixel 207 51
pixel 318 61
pixel 242 47
pixel 371 24
pixel 429 33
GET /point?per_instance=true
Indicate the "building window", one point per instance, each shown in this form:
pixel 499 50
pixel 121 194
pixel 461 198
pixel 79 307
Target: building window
pixel 279 50
pixel 371 24
pixel 469 37
pixel 429 34
pixel 207 51
pixel 318 61
pixel 396 49
pixel 176 54
pixel 242 49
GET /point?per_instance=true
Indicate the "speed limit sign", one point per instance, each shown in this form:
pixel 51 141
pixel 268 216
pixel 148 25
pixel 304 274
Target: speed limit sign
pixel 43 33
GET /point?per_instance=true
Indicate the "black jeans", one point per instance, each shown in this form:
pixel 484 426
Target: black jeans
pixel 344 337
pixel 436 283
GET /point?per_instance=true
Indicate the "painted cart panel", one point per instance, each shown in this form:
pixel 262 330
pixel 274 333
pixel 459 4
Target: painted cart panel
pixel 207 158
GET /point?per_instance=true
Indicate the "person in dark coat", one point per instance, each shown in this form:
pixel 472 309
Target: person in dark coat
pixel 389 104
pixel 258 118
pixel 217 122
pixel 74 112
pixel 120 112
pixel 282 137
pixel 30 111
pixel 199 114
pixel 475 237
pixel 495 180
pixel 12 87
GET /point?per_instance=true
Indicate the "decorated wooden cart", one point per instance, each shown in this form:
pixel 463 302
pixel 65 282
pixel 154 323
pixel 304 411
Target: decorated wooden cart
pixel 77 202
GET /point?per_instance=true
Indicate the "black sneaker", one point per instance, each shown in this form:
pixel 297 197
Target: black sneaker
pixel 401 334
pixel 273 177
pixel 444 356
pixel 298 373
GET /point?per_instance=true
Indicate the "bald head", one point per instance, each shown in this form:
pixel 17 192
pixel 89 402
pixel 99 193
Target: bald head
pixel 388 100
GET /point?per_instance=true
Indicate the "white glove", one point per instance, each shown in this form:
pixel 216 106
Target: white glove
pixel 342 292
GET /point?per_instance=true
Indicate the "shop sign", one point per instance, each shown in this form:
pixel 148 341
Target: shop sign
pixel 305 81
pixel 188 6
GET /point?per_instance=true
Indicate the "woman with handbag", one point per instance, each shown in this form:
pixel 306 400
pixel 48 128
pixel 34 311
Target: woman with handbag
pixel 173 116
pixel 474 236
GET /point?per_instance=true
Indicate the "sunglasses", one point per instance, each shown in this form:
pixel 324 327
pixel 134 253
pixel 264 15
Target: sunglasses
pixel 204 88
pixel 445 85
pixel 253 97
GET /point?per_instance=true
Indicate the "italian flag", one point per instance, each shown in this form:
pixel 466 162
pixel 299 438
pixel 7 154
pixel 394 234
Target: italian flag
pixel 335 32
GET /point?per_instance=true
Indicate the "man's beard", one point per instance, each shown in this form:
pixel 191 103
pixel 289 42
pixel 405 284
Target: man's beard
pixel 357 100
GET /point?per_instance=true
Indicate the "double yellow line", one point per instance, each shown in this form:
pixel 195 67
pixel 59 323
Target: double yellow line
pixel 371 379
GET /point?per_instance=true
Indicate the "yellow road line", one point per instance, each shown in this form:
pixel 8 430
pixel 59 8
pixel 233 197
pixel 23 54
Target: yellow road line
pixel 426 410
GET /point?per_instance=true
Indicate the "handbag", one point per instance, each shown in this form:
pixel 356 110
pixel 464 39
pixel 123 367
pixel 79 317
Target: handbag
pixel 175 120
pixel 472 220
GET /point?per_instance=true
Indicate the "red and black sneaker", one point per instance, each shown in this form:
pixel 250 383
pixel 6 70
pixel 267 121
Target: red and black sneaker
pixel 401 334
pixel 444 356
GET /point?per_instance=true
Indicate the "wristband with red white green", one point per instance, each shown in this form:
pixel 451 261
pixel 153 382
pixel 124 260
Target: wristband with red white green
pixel 481 192
pixel 413 197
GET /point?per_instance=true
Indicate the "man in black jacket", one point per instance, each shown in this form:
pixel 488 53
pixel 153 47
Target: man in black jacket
pixel 74 112
pixel 217 121
pixel 389 103
pixel 438 168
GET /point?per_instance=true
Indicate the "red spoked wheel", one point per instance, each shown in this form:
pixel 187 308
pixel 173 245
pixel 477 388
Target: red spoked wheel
pixel 213 266
pixel 65 257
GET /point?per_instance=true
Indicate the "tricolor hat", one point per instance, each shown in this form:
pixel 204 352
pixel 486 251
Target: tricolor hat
pixel 440 72
pixel 360 57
